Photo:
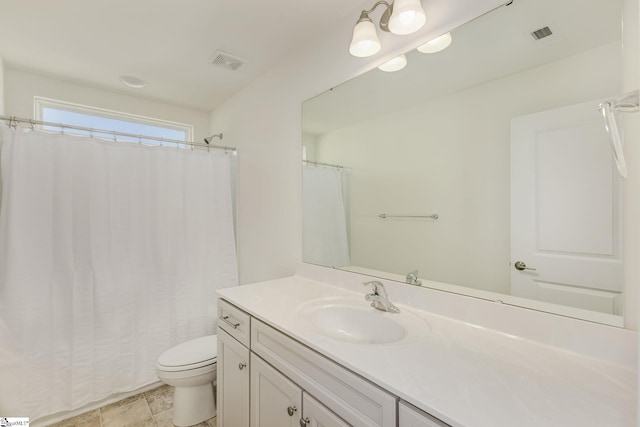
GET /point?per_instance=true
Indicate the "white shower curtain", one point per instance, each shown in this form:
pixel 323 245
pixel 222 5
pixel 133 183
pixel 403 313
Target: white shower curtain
pixel 324 224
pixel 110 253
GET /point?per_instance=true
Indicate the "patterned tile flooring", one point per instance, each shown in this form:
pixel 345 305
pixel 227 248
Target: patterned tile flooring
pixel 153 408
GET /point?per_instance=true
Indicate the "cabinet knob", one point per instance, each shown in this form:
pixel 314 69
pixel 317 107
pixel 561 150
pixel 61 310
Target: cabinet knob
pixel 242 365
pixel 291 410
pixel 304 422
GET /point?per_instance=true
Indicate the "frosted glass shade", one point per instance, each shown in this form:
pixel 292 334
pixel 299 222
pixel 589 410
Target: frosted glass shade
pixel 408 17
pixel 436 45
pixel 395 64
pixel 365 40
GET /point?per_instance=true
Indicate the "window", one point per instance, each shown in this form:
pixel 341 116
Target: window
pixel 54 111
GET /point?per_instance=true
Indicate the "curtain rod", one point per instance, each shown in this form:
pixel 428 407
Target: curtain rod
pixel 309 162
pixel 13 121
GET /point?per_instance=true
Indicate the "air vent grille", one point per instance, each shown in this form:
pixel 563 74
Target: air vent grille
pixel 541 33
pixel 226 60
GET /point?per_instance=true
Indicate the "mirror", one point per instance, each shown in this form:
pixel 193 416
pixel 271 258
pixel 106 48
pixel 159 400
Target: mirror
pixel 483 169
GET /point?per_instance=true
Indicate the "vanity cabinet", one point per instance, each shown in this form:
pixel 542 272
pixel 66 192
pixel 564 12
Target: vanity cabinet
pixel 275 400
pixel 233 368
pixel 315 414
pixel 353 399
pixel 232 382
pixel 275 380
pixel 408 416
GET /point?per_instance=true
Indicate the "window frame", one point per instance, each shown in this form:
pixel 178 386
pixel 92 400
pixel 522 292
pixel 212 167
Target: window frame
pixel 40 103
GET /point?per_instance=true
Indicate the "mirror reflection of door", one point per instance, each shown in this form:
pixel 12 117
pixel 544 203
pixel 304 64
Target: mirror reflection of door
pixel 566 219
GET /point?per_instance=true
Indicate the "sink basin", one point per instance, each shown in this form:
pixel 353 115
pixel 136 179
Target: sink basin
pixel 355 324
pixel 354 320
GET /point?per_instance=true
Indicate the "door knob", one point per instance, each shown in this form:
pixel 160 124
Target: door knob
pixel 304 422
pixel 519 265
pixel 242 365
pixel 291 410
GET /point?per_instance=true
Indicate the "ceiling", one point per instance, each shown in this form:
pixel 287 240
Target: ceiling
pixel 166 43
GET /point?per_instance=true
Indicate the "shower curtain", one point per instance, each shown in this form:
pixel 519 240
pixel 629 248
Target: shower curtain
pixel 325 218
pixel 110 253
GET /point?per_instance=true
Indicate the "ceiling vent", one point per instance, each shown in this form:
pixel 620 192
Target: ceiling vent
pixel 226 60
pixel 541 33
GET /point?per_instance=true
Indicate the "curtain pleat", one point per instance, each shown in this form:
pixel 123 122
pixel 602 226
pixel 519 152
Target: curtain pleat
pixel 324 226
pixel 110 253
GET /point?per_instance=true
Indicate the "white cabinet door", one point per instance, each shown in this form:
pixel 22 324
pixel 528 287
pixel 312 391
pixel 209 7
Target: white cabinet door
pixel 275 401
pixel 233 382
pixel 413 417
pixel 314 414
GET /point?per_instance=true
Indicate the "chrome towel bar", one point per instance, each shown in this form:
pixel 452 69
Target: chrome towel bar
pixel 385 216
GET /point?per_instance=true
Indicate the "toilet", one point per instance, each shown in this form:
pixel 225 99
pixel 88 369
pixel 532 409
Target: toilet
pixel 190 367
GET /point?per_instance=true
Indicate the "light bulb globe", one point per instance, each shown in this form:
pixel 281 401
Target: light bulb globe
pixel 436 45
pixel 365 39
pixel 407 17
pixel 395 64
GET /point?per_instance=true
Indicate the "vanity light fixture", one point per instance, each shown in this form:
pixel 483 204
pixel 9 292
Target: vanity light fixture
pixel 395 64
pixel 400 17
pixel 436 45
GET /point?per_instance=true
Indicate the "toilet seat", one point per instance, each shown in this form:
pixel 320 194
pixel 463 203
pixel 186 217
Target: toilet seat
pixel 193 354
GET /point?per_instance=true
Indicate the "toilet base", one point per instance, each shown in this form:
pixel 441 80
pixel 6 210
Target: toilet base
pixel 193 405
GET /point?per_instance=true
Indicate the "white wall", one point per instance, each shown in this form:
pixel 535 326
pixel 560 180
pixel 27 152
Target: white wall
pixel 1 86
pixel 21 86
pixel 460 172
pixel 264 122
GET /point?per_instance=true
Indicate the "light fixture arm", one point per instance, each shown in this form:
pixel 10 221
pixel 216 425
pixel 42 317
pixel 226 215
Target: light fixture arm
pixel 384 20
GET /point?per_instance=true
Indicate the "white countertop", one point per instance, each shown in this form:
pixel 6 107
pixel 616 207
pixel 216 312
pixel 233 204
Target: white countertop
pixel 467 376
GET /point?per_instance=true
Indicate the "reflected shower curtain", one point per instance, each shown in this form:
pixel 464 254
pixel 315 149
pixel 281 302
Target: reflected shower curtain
pixel 110 253
pixel 324 223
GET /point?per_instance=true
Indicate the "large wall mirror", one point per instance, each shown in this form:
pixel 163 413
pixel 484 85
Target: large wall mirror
pixel 483 169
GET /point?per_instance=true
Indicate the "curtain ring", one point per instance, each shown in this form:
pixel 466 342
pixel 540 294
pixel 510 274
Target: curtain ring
pixel 61 128
pixel 139 139
pixel 90 132
pixel 114 136
pixel 33 127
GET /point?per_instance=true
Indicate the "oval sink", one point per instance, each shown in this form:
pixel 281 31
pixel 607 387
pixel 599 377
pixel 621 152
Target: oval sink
pixel 355 324
pixel 353 320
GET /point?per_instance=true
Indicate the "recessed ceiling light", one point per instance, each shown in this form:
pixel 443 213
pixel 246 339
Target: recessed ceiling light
pixel 133 82
pixel 436 45
pixel 395 64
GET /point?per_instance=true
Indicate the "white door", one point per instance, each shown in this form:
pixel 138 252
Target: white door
pixel 275 400
pixel 315 414
pixel 232 382
pixel 566 213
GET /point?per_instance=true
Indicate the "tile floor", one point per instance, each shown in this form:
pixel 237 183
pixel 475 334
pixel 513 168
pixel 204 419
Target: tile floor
pixel 152 408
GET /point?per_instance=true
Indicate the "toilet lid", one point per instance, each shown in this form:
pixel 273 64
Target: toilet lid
pixel 193 352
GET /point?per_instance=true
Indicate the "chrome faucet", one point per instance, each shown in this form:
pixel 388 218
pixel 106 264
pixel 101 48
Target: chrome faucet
pixel 379 298
pixel 412 278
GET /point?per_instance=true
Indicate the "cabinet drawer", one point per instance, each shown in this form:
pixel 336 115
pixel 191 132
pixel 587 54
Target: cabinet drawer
pixel 234 321
pixel 354 399
pixel 414 417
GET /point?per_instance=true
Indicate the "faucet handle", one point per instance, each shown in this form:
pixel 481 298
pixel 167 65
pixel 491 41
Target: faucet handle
pixel 376 285
pixel 412 278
